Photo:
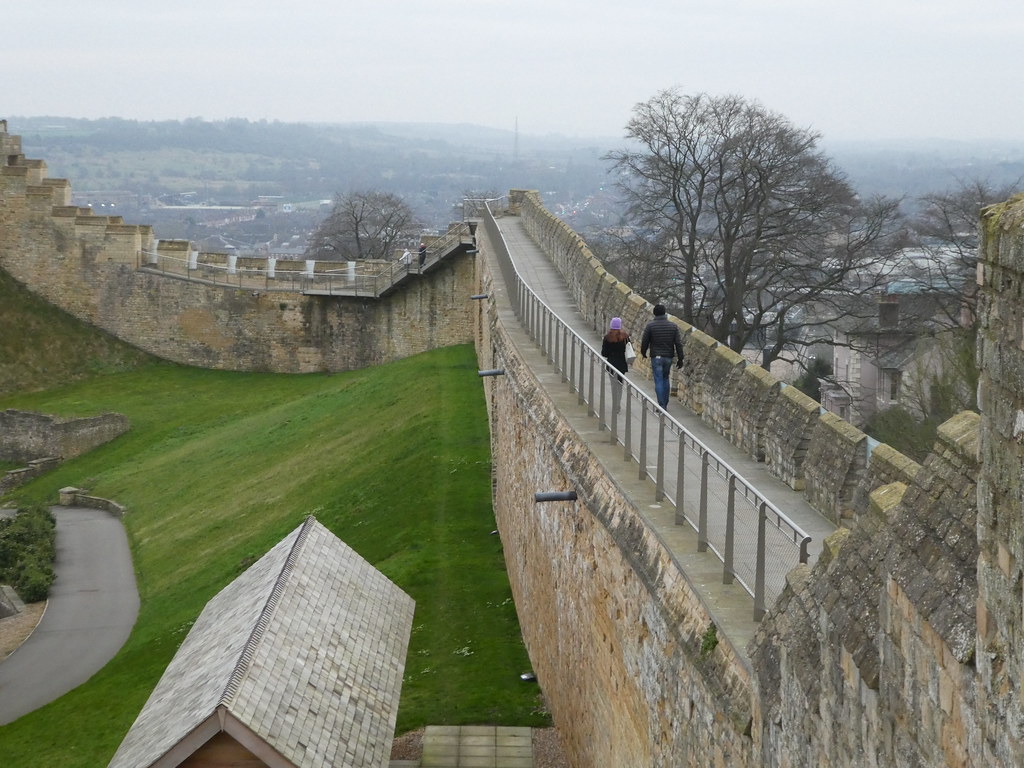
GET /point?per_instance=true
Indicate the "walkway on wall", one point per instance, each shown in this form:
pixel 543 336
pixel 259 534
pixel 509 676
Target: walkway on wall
pixel 730 604
pixel 364 279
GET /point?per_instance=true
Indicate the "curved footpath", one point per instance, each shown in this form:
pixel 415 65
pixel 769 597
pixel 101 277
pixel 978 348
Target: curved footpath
pixel 91 611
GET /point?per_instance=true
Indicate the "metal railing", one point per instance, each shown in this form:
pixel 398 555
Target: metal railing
pixel 367 279
pixel 755 541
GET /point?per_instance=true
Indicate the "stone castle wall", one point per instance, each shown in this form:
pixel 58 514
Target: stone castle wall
pixel 868 658
pixel 1000 625
pixel 25 436
pixel 87 265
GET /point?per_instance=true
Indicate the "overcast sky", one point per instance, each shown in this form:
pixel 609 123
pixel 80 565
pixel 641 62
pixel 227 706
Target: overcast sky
pixel 870 69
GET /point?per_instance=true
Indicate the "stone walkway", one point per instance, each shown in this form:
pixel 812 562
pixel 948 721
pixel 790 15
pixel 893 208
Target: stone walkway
pixel 473 746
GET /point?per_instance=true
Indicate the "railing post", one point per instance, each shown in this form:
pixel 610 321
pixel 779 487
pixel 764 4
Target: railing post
pixel 730 525
pixel 559 334
pixel 571 351
pixel 627 432
pixel 545 333
pixel 762 519
pixel 702 518
pixel 680 481
pixel 566 341
pixel 551 337
pixel 659 482
pixel 643 441
pixel 590 387
pixel 583 374
pixel 601 416
pixel 613 422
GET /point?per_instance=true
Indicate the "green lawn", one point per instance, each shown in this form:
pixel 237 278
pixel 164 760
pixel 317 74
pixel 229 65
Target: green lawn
pixel 220 466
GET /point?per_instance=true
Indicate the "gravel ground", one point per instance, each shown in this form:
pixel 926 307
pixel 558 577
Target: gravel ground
pixel 14 630
pixel 547 749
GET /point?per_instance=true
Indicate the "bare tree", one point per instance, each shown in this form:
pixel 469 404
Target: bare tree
pixel 362 225
pixel 635 257
pixel 946 249
pixel 767 240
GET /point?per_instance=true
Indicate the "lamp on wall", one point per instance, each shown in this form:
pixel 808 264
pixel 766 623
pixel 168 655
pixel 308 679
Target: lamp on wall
pixel 492 372
pixel 479 296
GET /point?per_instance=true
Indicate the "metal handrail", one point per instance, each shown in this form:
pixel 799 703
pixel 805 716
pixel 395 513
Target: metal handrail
pixel 775 543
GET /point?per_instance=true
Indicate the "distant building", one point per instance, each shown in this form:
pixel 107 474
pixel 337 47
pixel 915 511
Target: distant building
pixel 886 360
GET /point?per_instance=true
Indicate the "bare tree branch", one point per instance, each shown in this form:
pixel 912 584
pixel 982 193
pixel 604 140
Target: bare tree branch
pixel 362 225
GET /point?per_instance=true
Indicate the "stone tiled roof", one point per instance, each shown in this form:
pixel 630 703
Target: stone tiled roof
pixel 300 659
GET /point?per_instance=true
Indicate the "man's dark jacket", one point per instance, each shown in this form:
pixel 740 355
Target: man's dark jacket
pixel 662 338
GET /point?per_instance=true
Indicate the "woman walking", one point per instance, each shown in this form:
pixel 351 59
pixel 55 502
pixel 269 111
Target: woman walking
pixel 613 349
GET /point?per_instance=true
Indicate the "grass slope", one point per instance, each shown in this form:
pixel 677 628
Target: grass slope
pixel 220 466
pixel 40 345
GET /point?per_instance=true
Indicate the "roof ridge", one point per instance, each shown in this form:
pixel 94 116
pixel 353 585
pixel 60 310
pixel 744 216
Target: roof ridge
pixel 256 636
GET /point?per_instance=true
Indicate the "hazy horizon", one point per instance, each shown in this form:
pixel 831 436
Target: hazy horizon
pixel 873 70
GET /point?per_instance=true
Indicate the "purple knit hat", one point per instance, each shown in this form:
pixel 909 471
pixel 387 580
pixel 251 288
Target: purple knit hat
pixel 616 324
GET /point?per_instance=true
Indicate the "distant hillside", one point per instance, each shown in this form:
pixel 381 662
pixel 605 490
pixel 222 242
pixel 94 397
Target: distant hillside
pixel 914 168
pixel 140 166
pixel 42 346
pixel 234 161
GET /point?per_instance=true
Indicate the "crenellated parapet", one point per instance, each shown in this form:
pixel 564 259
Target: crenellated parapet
pixel 879 636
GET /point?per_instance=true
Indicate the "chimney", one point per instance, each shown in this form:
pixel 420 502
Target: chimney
pixel 888 314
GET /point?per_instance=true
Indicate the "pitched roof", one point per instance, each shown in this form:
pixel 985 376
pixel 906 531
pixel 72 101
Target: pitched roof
pixel 300 659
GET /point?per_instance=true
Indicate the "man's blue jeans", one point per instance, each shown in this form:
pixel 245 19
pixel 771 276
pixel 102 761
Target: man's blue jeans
pixel 661 367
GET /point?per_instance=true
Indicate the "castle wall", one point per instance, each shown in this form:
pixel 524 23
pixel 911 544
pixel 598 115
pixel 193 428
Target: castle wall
pixel 868 659
pixel 87 265
pixel 25 435
pixel 769 421
pixel 1000 627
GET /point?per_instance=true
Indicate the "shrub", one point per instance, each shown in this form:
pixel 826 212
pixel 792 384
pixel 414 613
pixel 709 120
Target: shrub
pixel 910 436
pixel 27 552
pixel 809 383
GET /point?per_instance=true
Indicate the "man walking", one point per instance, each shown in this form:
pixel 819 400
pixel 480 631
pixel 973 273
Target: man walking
pixel 663 340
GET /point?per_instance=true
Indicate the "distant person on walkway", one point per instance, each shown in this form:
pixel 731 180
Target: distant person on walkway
pixel 407 257
pixel 423 253
pixel 663 340
pixel 613 349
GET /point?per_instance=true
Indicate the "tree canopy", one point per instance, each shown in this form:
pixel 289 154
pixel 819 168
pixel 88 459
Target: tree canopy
pixel 756 223
pixel 363 225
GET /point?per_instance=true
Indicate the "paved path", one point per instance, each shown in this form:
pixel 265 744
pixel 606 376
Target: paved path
pixel 92 609
pixel 473 746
